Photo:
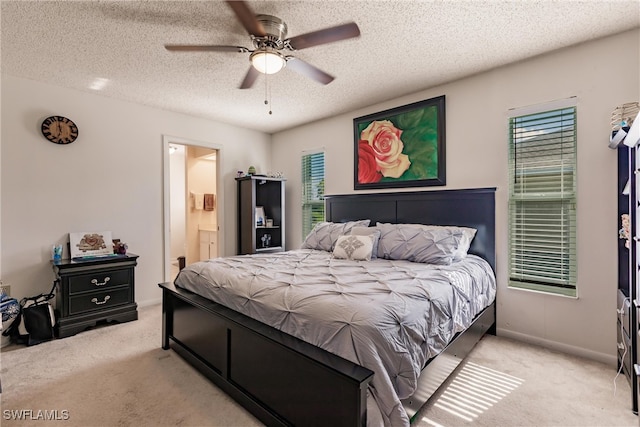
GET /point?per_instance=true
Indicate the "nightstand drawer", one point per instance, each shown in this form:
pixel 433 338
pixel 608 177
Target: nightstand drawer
pixel 99 300
pixel 98 280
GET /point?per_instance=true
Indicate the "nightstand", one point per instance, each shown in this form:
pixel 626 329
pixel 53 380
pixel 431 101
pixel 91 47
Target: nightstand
pixel 93 290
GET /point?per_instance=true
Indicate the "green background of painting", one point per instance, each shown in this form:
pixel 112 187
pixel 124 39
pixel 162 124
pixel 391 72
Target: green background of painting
pixel 420 138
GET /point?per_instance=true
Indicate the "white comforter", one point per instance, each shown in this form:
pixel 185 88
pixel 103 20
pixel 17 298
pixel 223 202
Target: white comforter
pixel 388 316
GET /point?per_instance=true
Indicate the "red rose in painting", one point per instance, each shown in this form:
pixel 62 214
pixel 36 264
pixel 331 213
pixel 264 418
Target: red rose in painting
pixel 367 165
pixel 387 146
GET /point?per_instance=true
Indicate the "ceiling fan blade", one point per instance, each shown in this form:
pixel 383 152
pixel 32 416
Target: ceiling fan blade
pixel 308 70
pixel 250 78
pixel 247 18
pixel 204 48
pixel 328 35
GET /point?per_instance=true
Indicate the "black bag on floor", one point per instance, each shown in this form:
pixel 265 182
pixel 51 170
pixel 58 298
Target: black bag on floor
pixel 35 322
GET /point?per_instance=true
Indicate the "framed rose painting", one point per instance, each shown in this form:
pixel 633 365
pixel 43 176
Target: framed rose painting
pixel 401 147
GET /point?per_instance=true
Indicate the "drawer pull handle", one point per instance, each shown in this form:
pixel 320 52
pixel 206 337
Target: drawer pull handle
pixel 96 302
pixel 95 281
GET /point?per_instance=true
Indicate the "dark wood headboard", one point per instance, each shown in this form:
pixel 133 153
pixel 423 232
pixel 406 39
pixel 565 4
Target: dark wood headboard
pixel 468 208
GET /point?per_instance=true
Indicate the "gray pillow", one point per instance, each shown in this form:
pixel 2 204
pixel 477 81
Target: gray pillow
pixel 435 245
pixel 468 234
pixel 368 231
pixel 324 235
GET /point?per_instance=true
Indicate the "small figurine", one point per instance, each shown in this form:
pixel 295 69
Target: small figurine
pixel 119 247
pixel 57 252
pixel 624 231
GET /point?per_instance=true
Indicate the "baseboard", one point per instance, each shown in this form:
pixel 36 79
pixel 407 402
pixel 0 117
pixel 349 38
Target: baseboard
pixel 609 359
pixel 149 302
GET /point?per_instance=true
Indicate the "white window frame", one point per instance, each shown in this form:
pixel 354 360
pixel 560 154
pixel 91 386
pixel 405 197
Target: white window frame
pixel 538 186
pixel 312 193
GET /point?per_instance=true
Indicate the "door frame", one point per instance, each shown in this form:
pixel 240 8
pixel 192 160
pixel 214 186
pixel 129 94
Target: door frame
pixel 166 196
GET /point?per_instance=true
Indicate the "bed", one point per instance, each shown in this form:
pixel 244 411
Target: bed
pixel 284 380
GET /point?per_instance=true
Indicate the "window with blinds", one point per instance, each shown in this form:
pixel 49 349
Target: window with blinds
pixel 312 190
pixel 542 201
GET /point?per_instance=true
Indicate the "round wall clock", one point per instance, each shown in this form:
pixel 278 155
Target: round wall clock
pixel 59 130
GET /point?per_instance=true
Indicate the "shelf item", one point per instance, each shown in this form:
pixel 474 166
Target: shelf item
pixel 633 136
pixel 260 202
pixel 617 137
pixel 625 125
pixel 627 324
pixel 623 114
pixel 94 290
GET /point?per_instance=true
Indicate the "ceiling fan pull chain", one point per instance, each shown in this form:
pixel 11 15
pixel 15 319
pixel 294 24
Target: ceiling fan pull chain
pixel 270 103
pixel 267 92
pixel 266 88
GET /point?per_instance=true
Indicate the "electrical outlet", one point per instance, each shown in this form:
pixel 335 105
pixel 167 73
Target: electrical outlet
pixel 6 289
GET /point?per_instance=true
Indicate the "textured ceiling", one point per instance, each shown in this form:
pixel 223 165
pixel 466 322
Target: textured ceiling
pixel 405 46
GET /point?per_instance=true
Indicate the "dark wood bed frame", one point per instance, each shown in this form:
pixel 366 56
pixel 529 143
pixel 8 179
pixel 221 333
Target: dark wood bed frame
pixel 283 380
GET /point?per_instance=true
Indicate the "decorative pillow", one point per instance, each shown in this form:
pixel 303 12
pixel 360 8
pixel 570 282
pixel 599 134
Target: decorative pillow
pixel 368 231
pixel 465 243
pixel 467 235
pixel 437 245
pixel 357 248
pixel 324 235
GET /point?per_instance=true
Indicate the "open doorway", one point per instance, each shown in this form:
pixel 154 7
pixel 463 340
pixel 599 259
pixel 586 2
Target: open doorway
pixel 191 203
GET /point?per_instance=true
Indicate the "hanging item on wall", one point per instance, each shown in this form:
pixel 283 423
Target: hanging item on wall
pixel 59 130
pixel 198 201
pixel 401 147
pixel 209 201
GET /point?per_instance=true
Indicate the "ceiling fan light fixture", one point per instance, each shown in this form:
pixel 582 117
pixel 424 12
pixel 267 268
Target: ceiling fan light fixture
pixel 267 61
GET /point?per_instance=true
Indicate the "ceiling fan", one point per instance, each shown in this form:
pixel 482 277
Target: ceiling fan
pixel 268 34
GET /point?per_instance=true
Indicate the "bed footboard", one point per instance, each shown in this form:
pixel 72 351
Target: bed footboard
pixel 280 379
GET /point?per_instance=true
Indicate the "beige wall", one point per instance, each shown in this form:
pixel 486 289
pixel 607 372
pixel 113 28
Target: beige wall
pixel 111 178
pixel 601 74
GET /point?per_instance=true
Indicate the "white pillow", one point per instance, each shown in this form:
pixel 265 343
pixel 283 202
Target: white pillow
pixel 356 248
pixel 368 231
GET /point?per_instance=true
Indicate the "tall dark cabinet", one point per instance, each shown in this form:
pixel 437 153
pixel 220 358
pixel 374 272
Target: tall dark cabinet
pixel 627 324
pixel 257 234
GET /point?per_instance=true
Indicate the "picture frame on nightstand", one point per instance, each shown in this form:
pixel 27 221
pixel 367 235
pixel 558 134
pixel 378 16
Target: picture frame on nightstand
pixel 90 244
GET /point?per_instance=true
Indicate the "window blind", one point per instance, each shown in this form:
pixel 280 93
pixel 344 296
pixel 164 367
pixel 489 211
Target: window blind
pixel 312 190
pixel 542 201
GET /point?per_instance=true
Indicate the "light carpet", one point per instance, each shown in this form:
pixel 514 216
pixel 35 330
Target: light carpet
pixel 117 375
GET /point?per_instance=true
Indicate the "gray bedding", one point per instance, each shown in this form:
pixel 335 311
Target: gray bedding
pixel 388 316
